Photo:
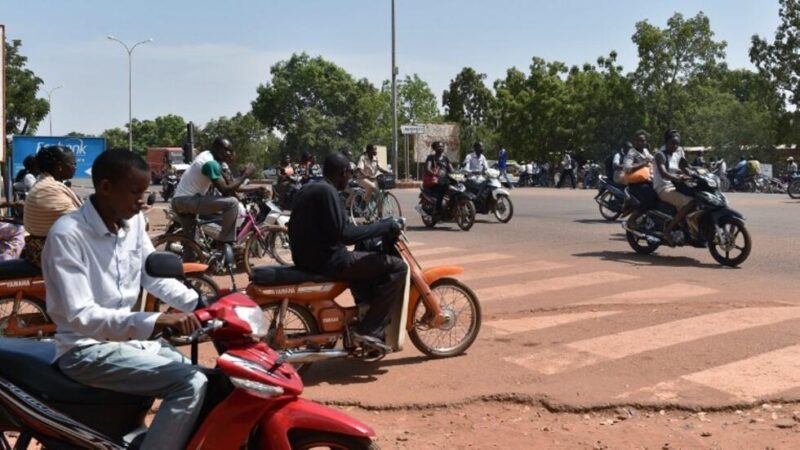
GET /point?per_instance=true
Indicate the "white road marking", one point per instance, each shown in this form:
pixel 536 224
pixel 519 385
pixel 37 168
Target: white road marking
pixel 435 251
pixel 414 244
pixel 628 343
pixel 464 259
pixel 665 294
pixel 514 269
pixel 524 324
pixel 550 285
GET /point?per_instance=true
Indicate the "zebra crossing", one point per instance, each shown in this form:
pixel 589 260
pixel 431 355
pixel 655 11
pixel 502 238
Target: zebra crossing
pixel 731 360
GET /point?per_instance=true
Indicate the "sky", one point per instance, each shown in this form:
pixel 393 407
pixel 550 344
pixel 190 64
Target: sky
pixel 208 56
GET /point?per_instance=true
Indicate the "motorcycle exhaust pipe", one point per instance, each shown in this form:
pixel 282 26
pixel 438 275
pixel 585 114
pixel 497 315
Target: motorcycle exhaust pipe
pixel 650 238
pixel 311 356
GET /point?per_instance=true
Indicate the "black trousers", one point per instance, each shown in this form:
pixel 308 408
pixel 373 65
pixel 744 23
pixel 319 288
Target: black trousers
pixel 564 174
pixel 376 279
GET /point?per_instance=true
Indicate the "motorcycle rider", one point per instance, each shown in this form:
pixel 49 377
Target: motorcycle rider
pixel 637 158
pixel 319 233
pixel 475 162
pixel 95 269
pixel 191 195
pixel 618 164
pixel 791 168
pixel 367 171
pixel 672 167
pixel 437 167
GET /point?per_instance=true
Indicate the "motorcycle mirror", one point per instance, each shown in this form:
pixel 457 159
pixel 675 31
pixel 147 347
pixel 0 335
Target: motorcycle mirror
pixel 163 265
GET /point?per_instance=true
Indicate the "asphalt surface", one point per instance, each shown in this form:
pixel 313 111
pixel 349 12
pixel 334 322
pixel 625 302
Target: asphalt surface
pixel 574 319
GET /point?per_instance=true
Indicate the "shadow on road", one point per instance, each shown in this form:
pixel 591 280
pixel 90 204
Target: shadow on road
pixel 594 221
pixel 436 228
pixel 349 371
pixel 636 259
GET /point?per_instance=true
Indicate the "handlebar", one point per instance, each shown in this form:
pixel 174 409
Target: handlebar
pixel 211 325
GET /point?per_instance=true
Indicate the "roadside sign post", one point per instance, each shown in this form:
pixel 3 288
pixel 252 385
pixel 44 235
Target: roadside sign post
pixel 407 130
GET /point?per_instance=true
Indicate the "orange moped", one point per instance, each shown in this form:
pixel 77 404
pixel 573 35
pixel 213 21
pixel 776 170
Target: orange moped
pixel 440 314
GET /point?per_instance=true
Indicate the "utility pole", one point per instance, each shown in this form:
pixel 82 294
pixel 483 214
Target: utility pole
pixel 50 105
pixel 130 84
pixel 394 98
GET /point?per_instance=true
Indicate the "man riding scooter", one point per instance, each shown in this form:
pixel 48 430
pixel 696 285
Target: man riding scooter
pixel 319 233
pixel 476 161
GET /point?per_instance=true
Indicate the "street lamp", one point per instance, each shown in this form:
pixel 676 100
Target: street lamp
pixel 50 104
pixel 130 87
pixel 394 99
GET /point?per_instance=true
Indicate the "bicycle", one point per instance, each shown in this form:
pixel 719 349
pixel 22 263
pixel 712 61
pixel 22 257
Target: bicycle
pixel 382 205
pixel 257 243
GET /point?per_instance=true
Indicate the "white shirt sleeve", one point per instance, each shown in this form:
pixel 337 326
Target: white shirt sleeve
pixel 483 164
pixel 69 295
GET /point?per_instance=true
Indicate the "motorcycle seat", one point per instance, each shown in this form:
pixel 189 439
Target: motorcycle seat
pixel 18 268
pixel 29 364
pixel 283 275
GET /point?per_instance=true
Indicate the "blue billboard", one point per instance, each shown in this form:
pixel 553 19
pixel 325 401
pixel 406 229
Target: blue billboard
pixel 86 149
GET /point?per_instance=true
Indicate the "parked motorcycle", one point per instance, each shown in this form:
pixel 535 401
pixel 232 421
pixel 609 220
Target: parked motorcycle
pixel 441 315
pixel 720 228
pixel 611 199
pixel 490 196
pixel 793 188
pixel 458 205
pixel 253 397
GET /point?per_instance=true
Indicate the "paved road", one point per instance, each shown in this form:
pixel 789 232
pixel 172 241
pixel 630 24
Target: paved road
pixel 576 319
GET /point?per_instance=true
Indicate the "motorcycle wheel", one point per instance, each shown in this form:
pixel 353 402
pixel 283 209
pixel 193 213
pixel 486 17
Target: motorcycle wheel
pixel 299 322
pixel 203 284
pixel 429 221
pixel 280 248
pixel 305 440
pixel 794 189
pixel 733 228
pixel 607 213
pixel 749 186
pixel 166 194
pixel 465 214
pixel 456 299
pixel 641 245
pixel 503 209
pixel 31 313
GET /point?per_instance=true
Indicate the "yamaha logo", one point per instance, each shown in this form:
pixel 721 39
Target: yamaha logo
pixel 16 283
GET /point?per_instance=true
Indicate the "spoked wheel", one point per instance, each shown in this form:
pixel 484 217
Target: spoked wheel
pixel 463 312
pixel 30 319
pixel 794 189
pixel 297 323
pixel 732 243
pixel 358 208
pixel 465 216
pixel 749 186
pixel 203 284
pixel 187 249
pixel 307 440
pixel 608 213
pixel 390 207
pixel 640 244
pixel 280 248
pixel 503 208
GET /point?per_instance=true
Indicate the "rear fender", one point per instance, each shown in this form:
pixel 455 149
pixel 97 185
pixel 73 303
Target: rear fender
pixel 431 276
pixel 301 414
pixel 194 268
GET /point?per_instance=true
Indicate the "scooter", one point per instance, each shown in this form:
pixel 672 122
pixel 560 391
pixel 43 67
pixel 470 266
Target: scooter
pixel 253 397
pixel 307 324
pixel 168 185
pixel 611 200
pixel 458 205
pixel 490 196
pixel 719 228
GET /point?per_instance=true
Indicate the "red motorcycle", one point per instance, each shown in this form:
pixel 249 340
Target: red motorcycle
pixel 252 400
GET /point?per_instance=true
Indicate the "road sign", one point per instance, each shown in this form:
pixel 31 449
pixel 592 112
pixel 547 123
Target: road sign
pixel 412 129
pixel 85 149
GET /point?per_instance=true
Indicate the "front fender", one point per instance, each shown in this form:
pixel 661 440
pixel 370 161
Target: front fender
pixel 301 414
pixel 498 192
pixel 723 212
pixel 194 267
pixel 431 276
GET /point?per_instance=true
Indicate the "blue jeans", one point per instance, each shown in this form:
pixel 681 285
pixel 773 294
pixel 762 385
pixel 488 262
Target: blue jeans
pixel 121 367
pixel 504 176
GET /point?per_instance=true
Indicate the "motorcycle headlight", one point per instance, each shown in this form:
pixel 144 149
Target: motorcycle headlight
pixel 713 182
pixel 255 318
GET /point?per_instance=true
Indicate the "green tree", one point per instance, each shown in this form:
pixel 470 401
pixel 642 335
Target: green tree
pixel 24 110
pixel 251 140
pixel 469 103
pixel 668 59
pixel 163 131
pixel 313 103
pixel 115 137
pixel 416 102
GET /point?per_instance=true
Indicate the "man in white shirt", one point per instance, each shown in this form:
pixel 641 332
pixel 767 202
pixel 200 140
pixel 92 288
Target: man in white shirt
pixel 367 171
pixel 475 161
pixel 191 195
pixel 93 268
